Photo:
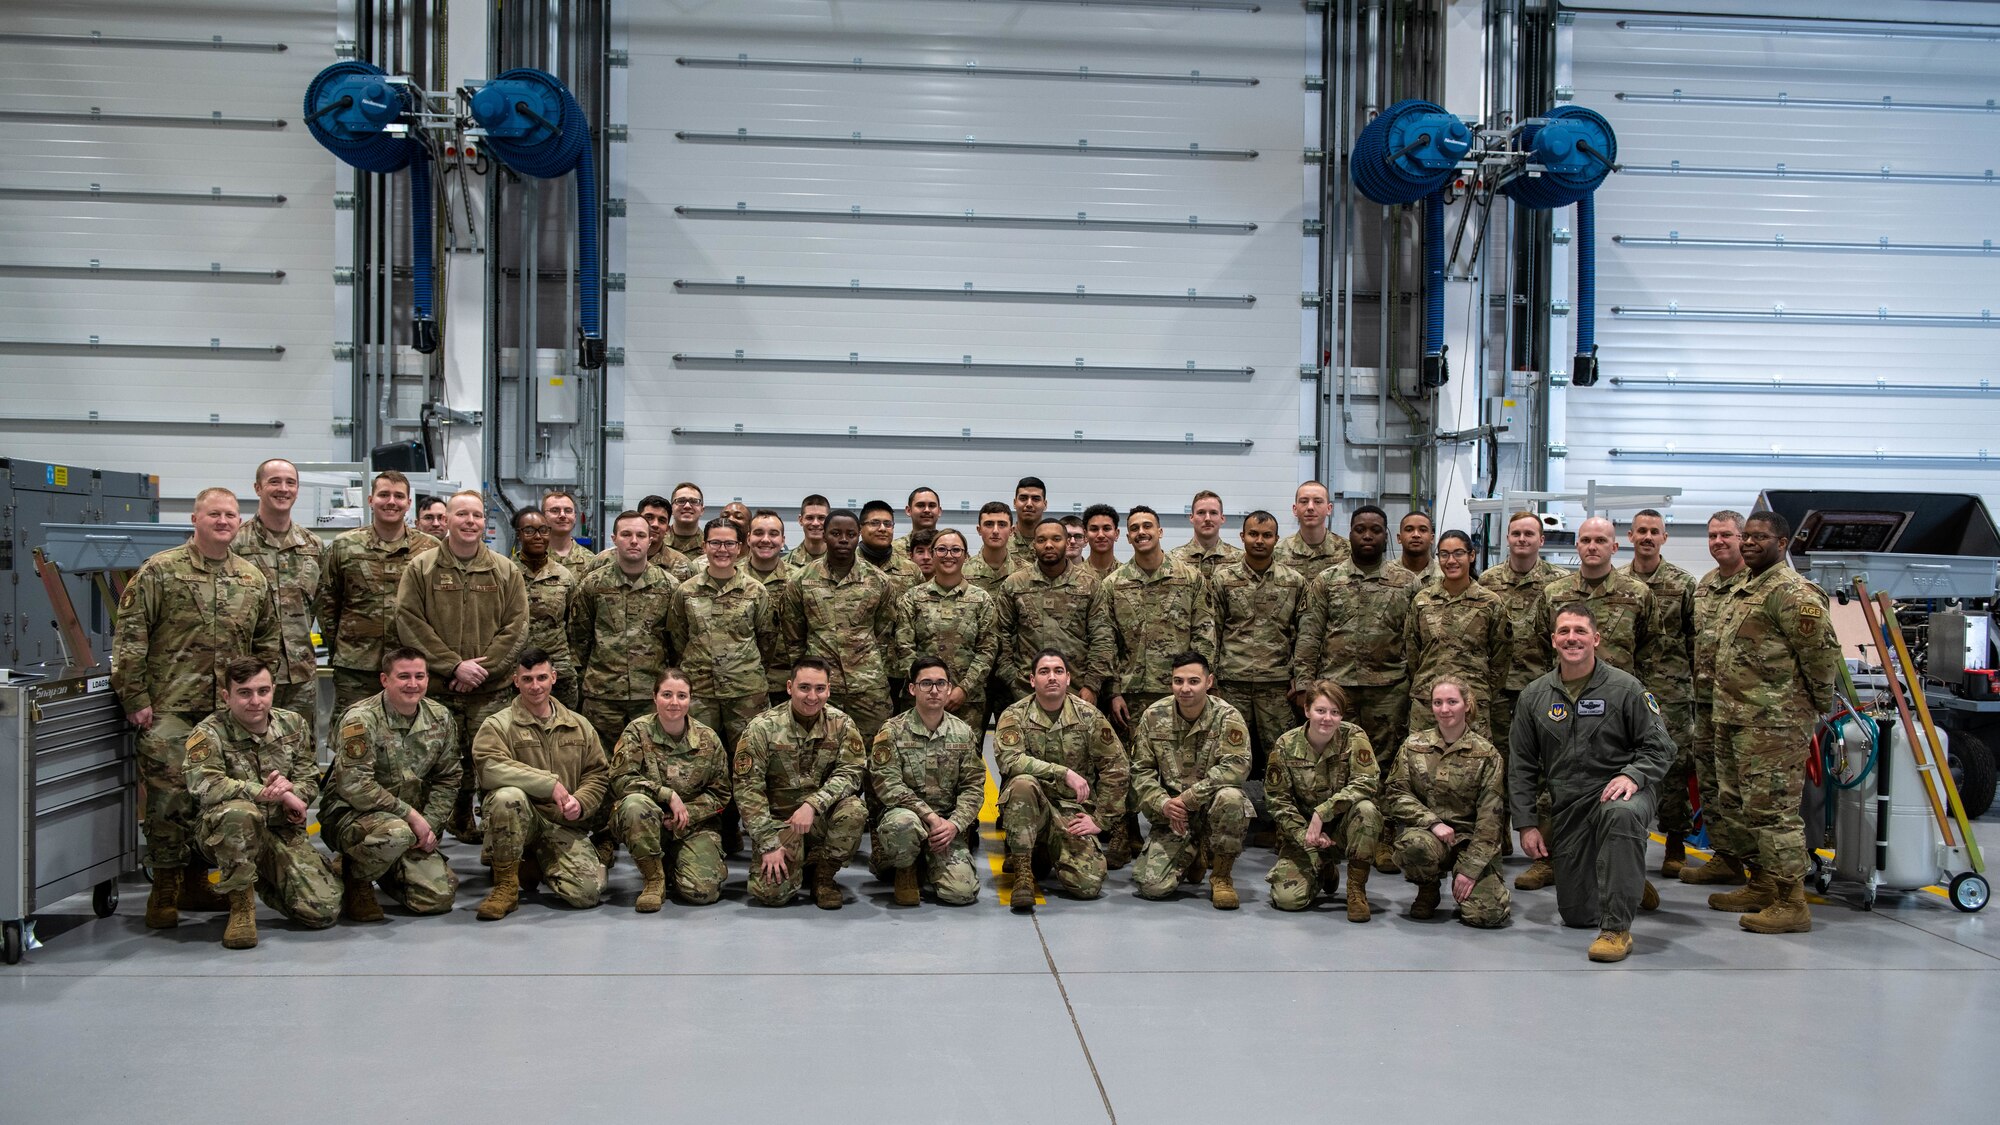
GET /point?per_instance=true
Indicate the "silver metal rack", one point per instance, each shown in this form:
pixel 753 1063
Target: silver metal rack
pixel 1805 316
pixel 967 144
pixel 854 435
pixel 92 421
pixel 968 293
pixel 97 117
pixel 967 70
pixel 149 42
pixel 1786 101
pixel 94 192
pixel 966 365
pixel 1782 172
pixel 1781 385
pixel 214 349
pixel 1745 456
pixel 960 219
pixel 142 273
pixel 1780 242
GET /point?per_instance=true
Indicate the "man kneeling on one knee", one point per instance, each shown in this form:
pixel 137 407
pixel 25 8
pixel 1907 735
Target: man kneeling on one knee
pixel 1592 736
pixel 1190 759
pixel 545 779
pixel 798 785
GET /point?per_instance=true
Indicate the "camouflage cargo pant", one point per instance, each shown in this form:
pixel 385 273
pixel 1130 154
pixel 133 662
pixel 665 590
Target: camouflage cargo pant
pixel 610 717
pixel 1136 703
pixel 569 866
pixel 1599 851
pixel 1297 876
pixel 1676 811
pixel 1420 718
pixel 381 847
pixel 1760 771
pixel 726 717
pixel 1382 713
pixel 291 876
pixel 169 815
pixel 900 841
pixel 1721 819
pixel 469 710
pixel 868 709
pixel 351 686
pixel 1218 830
pixel 1427 859
pixel 1033 823
pixel 694 854
pixel 1267 711
pixel 834 838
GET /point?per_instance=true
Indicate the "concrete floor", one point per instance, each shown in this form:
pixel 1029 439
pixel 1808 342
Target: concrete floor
pixel 1087 1012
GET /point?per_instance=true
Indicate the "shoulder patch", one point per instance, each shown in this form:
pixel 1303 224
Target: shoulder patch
pixel 353 730
pixel 1652 703
pixel 199 748
pixel 1234 736
pixel 1810 610
pixel 1104 734
pixel 1010 736
pixel 744 760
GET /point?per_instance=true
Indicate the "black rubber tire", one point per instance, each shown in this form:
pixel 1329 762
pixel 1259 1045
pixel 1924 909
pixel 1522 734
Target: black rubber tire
pixel 1969 892
pixel 11 943
pixel 1971 760
pixel 104 898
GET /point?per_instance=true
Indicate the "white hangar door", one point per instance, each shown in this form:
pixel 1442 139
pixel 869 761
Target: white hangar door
pixel 879 243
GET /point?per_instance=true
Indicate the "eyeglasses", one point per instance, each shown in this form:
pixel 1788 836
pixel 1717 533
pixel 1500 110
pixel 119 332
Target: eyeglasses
pixel 878 523
pixel 1757 537
pixel 1454 554
pixel 932 685
pixel 947 552
pixel 687 501
pixel 724 544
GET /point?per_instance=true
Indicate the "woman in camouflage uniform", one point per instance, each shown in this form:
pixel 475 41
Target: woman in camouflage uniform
pixel 1320 783
pixel 1448 789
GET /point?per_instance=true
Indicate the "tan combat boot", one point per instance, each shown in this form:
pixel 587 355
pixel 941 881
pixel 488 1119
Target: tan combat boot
pixel 826 892
pixel 241 933
pixel 1538 875
pixel 359 904
pixel 1786 914
pixel 1676 860
pixel 161 911
pixel 1222 883
pixel 505 897
pixel 1357 891
pixel 1022 901
pixel 1649 899
pixel 1760 893
pixel 909 892
pixel 197 893
pixel 1427 901
pixel 1611 945
pixel 1720 870
pixel 654 894
pixel 1385 859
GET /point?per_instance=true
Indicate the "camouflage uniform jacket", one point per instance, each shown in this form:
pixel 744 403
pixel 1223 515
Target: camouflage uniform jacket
pixel 959 625
pixel 181 619
pixel 781 765
pixel 1776 658
pixel 776 669
pixel 849 622
pixel 987 578
pixel 798 557
pixel 678 566
pixel 515 748
pixel 1021 552
pixel 388 764
pixel 724 630
pixel 225 762
pixel 1206 561
pixel 928 772
pixel 1030 742
pixel 618 631
pixel 453 609
pixel 1464 634
pixel 1522 595
pixel 1352 631
pixel 1066 613
pixel 1426 576
pixel 356 606
pixel 1172 757
pixel 688 543
pixel 1623 606
pixel 291 566
pixel 1711 604
pixel 1463 784
pixel 550 590
pixel 649 761
pixel 1311 561
pixel 1666 663
pixel 1301 782
pixel 1153 617
pixel 1257 618
pixel 574 558
pixel 903 575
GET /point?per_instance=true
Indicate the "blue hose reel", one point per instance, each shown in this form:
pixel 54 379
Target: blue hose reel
pixel 348 109
pixel 534 125
pixel 1413 149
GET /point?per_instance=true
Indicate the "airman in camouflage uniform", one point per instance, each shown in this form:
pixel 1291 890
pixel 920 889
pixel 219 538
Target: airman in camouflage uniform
pixel 789 761
pixel 1031 503
pixel 725 630
pixel 258 840
pixel 387 769
pixel 766 551
pixel 289 558
pixel 1259 603
pixel 1521 594
pixel 1730 845
pixel 1064 611
pixel 359 575
pixel 1065 781
pixel 1158 607
pixel 1666 667
pixel 1776 661
pixel 1352 633
pixel 1206 550
pixel 619 640
pixel 546 780
pixel 1312 550
pixel 1463 634
pixel 849 621
pixel 550 590
pixel 920 777
pixel 652 773
pixel 182 617
pixel 1461 784
pixel 1191 769
pixel 957 623
pixel 1336 784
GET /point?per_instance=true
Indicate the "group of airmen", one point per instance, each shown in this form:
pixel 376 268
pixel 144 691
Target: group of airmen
pixel 695 687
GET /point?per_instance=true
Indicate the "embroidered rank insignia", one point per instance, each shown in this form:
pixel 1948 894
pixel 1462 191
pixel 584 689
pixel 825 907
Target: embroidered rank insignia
pixel 1558 712
pixel 1652 703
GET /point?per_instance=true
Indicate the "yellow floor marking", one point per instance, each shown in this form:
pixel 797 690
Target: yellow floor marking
pixel 989 814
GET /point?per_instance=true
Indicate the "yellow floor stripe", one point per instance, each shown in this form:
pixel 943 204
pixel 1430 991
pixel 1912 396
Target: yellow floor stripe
pixel 989 819
pixel 1824 853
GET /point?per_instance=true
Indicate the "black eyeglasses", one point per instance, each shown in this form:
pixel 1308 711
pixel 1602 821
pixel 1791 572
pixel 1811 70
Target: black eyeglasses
pixel 932 685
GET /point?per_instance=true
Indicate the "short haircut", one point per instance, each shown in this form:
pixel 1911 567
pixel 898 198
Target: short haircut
pixel 1335 694
pixel 920 490
pixel 1031 482
pixel 996 508
pixel 672 672
pixel 877 506
pixel 1139 509
pixel 392 476
pixel 1653 512
pixel 243 669
pixel 721 521
pixel 848 513
pixel 814 501
pixel 1183 659
pixel 1072 521
pixel 1304 484
pixel 922 538
pixel 1205 494
pixel 656 501
pixel 1049 519
pixel 1045 654
pixel 1096 510
pixel 201 497
pixel 923 663
pixel 464 492
pixel 534 656
pixel 523 513
pixel 1452 679
pixel 555 492
pixel 1259 514
pixel 688 484
pixel 1367 510
pixel 1517 517
pixel 810 664
pixel 399 654
pixel 1730 516
pixel 1779 525
pixel 1576 609
pixel 259 476
pixel 766 514
pixel 627 514
pixel 423 502
pixel 1425 516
